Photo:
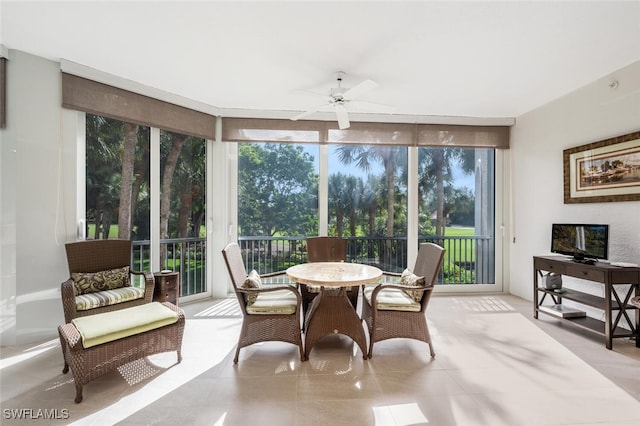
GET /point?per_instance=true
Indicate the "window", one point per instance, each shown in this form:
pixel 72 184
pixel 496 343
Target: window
pixel 277 202
pixel 119 195
pixel 366 197
pixel 117 179
pixel 385 187
pixel 367 200
pixel 183 208
pixel 456 210
pixel 144 183
pixel 117 183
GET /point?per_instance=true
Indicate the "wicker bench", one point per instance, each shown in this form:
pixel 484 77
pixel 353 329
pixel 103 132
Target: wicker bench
pixel 92 362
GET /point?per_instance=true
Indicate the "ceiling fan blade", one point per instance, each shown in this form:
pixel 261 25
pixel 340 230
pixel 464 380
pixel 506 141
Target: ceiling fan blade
pixel 359 89
pixel 343 117
pixel 309 112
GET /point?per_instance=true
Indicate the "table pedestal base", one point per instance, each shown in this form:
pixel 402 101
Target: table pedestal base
pixel 331 312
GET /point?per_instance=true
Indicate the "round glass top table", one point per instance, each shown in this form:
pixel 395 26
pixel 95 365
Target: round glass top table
pixel 331 312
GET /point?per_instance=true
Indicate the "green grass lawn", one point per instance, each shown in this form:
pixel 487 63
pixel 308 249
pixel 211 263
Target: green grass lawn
pixel 91 231
pixel 460 250
pixel 459 232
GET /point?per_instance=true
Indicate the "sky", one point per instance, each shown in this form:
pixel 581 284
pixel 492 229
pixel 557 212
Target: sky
pixel 460 178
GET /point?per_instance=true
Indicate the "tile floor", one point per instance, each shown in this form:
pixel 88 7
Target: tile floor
pixel 495 365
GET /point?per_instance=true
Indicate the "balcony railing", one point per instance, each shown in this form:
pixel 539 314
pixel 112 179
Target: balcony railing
pixel 184 255
pixel 468 260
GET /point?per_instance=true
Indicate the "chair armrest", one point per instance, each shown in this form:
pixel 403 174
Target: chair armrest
pixel 273 274
pixel 280 279
pixel 380 287
pixel 256 291
pixel 149 284
pixel 68 294
pixel 270 288
pixel 390 278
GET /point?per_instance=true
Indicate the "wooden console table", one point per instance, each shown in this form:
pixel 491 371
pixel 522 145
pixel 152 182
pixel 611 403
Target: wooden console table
pixel 167 287
pixel 613 301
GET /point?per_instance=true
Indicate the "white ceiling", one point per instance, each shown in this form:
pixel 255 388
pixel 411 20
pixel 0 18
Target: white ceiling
pixel 462 59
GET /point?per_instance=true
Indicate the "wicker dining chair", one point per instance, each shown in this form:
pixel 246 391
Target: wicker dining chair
pixel 326 249
pixel 269 313
pixel 395 310
pixel 93 257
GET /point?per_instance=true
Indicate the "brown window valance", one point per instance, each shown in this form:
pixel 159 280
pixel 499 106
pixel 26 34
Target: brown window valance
pixel 97 98
pixel 327 132
pixel 463 136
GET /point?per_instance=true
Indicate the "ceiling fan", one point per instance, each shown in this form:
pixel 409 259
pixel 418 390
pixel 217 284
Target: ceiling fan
pixel 339 97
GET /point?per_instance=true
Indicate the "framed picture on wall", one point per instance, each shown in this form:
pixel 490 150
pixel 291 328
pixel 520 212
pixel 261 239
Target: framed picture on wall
pixel 603 171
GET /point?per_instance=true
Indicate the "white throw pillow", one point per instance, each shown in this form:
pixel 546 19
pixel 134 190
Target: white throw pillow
pixel 408 278
pixel 253 281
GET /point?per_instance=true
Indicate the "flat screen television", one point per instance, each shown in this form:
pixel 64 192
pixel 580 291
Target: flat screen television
pixel 584 242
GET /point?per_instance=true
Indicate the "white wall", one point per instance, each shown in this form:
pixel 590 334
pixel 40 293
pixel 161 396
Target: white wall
pixel 38 201
pixel 593 113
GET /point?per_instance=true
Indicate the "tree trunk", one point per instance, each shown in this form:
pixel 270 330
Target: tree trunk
pixel 388 168
pixel 339 222
pixel 438 160
pixel 167 177
pixel 140 178
pixel 126 181
pixel 197 224
pixel 186 200
pixel 352 222
pixel 106 226
pixel 372 231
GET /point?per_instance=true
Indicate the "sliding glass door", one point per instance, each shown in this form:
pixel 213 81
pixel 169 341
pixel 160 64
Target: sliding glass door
pixel 456 210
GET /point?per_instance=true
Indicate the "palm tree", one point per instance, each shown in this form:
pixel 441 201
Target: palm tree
pixel 141 180
pixel 353 194
pixel 435 170
pixel 176 141
pixel 189 182
pixel 369 206
pixel 103 148
pixel 364 157
pixel 126 180
pixel 117 170
pixel 336 200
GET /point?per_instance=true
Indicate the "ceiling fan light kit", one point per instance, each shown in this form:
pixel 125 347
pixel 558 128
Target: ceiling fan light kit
pixel 339 97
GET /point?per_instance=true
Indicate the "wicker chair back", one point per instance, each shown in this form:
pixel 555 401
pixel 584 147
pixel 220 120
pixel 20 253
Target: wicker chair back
pixel 98 255
pixel 326 249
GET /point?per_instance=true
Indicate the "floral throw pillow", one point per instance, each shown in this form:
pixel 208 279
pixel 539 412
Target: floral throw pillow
pixel 252 281
pixel 408 278
pixel 91 282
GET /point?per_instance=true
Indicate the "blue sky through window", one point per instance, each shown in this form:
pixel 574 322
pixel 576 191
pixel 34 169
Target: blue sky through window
pixel 460 178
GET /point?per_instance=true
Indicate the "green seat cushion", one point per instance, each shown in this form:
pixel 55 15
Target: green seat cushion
pixel 109 326
pixel 392 299
pixel 108 297
pixel 274 302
